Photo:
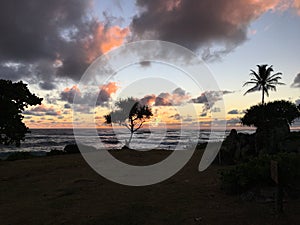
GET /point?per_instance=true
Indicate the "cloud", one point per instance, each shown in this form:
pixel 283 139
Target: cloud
pixel 47 85
pixel 234 112
pixel 209 98
pixel 100 97
pixel 204 114
pixel 42 110
pixel 176 117
pixel 68 94
pixel 67 106
pixel 175 98
pixel 199 24
pixel 148 100
pixel 212 96
pixel 296 83
pixel 54 40
pixel 296 5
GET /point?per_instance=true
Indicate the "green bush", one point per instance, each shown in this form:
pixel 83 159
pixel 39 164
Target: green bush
pixel 256 173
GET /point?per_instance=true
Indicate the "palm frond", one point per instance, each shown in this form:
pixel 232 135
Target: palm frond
pixel 266 91
pixel 255 88
pixel 255 74
pixel 249 82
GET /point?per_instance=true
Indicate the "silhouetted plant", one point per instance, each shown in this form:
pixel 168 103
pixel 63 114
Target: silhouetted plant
pixel 129 113
pixel 271 113
pixel 263 81
pixel 256 173
pixel 14 98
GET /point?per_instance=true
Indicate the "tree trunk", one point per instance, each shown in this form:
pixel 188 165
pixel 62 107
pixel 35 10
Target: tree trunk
pixel 263 96
pixel 130 139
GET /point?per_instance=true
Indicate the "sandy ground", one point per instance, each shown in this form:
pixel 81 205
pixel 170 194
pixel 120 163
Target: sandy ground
pixel 65 190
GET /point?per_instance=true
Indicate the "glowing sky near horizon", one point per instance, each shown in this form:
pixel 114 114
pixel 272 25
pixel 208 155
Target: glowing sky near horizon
pixel 231 36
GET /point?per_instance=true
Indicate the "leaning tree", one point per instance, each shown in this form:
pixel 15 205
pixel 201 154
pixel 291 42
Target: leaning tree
pixel 129 113
pixel 14 98
pixel 263 81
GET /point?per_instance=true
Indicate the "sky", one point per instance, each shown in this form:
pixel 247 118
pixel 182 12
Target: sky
pixel 50 47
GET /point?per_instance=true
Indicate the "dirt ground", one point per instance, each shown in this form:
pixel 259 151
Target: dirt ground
pixel 65 190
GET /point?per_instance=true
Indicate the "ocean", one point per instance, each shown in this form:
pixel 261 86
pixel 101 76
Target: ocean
pixel 45 140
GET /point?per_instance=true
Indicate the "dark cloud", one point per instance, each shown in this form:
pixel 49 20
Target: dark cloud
pixel 198 24
pixel 47 85
pixel 148 100
pixel 209 99
pixel 36 34
pixel 145 63
pixel 212 96
pixel 203 114
pixel 163 99
pixel 69 93
pixel 176 117
pixel 234 112
pixel 67 106
pixel 42 41
pixel 296 83
pixel 99 97
pixel 176 97
pixel 42 110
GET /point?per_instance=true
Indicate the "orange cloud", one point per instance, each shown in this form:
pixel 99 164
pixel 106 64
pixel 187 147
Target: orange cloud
pixel 68 94
pixel 110 88
pixel 177 97
pixel 114 37
pixel 244 11
pixel 104 39
pixel 296 5
pixel 172 4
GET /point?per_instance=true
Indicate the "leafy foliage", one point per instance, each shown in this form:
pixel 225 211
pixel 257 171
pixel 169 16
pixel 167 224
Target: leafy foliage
pixel 129 113
pixel 257 172
pixel 271 112
pixel 263 80
pixel 14 98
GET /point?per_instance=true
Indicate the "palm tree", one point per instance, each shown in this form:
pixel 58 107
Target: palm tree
pixel 263 80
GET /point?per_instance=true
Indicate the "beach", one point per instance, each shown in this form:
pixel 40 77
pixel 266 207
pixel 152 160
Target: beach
pixel 65 190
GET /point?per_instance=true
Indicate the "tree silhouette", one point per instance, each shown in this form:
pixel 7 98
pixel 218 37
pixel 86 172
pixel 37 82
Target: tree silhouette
pixel 277 110
pixel 263 81
pixel 272 121
pixel 129 113
pixel 14 98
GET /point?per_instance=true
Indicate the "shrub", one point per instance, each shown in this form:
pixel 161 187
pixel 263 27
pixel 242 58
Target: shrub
pixel 256 173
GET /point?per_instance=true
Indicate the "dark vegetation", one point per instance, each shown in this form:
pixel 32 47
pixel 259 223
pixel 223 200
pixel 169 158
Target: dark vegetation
pixel 14 98
pixel 255 174
pixel 263 80
pixel 251 155
pixel 129 113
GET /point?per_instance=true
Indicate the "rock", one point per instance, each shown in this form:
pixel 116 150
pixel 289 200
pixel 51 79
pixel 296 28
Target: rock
pixel 125 147
pixel 55 152
pixel 292 143
pixel 71 149
pixel 229 147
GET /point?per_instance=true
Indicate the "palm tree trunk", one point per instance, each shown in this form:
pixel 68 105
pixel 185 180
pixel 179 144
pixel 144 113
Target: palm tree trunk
pixel 263 96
